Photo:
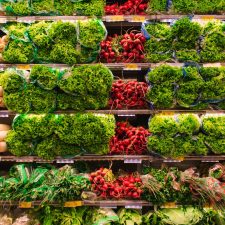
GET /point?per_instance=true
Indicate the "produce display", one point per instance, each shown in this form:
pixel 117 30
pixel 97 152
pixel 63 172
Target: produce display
pixel 53 7
pixel 129 140
pixel 48 136
pixel 46 89
pixel 130 94
pixel 129 7
pixel 58 41
pixel 123 48
pixel 184 40
pixel 185 134
pixel 188 87
pixel 93 215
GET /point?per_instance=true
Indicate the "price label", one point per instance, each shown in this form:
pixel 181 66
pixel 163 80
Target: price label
pixel 212 65
pixel 64 161
pixel 207 17
pixel 131 66
pixel 210 161
pixel 134 161
pixel 23 67
pixel 138 19
pixel 116 18
pixel 168 113
pixel 25 19
pixel 72 204
pixel 169 205
pixel 172 160
pixel 133 207
pixel 25 205
pixel 3 20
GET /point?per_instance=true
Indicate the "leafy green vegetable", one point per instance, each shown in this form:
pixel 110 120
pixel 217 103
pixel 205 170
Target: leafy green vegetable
pixel 17 145
pixel 43 7
pixel 18 51
pixel 20 8
pixel 156 6
pixel 34 126
pixel 129 217
pixel 44 76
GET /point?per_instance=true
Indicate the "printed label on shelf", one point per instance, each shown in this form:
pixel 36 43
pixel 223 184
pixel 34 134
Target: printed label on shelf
pixel 108 207
pixel 131 66
pixel 135 161
pixel 173 160
pixel 25 205
pixel 133 207
pixel 26 19
pixel 210 161
pixel 116 18
pixel 23 67
pixel 137 18
pixel 3 20
pixel 64 161
pixel 4 115
pixel 169 113
pixel 212 65
pixel 207 17
pixel 72 204
pixel 21 159
pixel 169 205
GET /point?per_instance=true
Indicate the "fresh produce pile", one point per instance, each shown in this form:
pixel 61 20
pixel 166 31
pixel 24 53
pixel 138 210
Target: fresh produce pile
pixel 93 215
pixel 43 183
pixel 186 6
pixel 184 40
pixel 129 140
pixel 128 95
pixel 123 48
pixel 46 89
pixel 129 7
pixel 53 7
pixel 191 87
pixel 106 185
pixel 185 134
pixel 58 41
pixel 48 136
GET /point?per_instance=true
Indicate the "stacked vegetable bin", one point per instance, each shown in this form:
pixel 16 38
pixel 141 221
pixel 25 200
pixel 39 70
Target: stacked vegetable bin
pixel 112 113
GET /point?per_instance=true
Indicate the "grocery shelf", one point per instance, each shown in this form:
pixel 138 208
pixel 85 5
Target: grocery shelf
pixel 108 18
pixel 135 159
pixel 103 203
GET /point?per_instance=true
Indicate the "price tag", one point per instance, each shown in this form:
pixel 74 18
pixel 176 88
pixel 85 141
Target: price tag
pixel 212 65
pixel 23 67
pixel 131 66
pixel 116 18
pixel 172 160
pixel 3 20
pixel 64 161
pixel 207 17
pixel 25 205
pixel 169 205
pixel 133 207
pixel 25 19
pixel 72 204
pixel 134 161
pixel 108 207
pixel 138 19
pixel 210 161
pixel 167 113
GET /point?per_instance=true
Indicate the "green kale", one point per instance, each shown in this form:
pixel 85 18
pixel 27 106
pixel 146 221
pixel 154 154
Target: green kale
pixel 163 125
pixel 156 6
pixel 43 7
pixel 165 73
pixel 29 126
pixel 19 8
pixel 18 51
pixel 17 102
pixel 91 33
pixel 12 80
pixel 38 33
pixel 64 52
pixel 189 88
pixel 215 144
pixel 64 7
pixel 15 30
pixel 63 31
pixel 188 123
pixel 214 126
pixel 44 76
pixel 17 145
pixel 161 96
pixel 42 101
pixel 158 30
pixel 187 55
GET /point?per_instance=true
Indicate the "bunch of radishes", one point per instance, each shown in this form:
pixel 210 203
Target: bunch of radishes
pixel 125 48
pixel 129 140
pixel 128 94
pixel 128 186
pixel 130 7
